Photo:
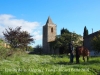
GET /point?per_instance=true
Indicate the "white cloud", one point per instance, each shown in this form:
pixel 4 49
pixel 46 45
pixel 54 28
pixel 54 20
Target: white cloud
pixel 34 28
pixel 38 36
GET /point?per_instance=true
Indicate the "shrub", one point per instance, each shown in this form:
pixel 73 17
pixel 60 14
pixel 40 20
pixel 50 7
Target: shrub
pixel 4 52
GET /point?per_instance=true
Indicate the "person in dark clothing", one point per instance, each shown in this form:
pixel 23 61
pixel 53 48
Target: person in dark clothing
pixel 77 55
pixel 71 52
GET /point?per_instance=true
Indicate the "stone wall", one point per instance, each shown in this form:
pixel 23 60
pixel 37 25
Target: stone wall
pixel 88 39
pixel 88 44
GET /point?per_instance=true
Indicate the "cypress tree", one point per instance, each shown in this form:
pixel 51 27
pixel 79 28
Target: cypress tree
pixel 85 33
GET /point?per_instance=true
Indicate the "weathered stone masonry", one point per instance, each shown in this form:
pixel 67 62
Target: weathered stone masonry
pixel 49 34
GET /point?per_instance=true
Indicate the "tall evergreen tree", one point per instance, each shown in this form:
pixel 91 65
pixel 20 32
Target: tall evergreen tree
pixel 85 33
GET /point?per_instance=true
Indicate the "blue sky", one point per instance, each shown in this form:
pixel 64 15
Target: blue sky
pixel 33 14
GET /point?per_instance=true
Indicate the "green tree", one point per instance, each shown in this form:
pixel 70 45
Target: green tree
pixel 30 48
pixel 85 33
pixel 64 31
pixel 38 49
pixel 96 43
pixel 64 39
pixel 17 38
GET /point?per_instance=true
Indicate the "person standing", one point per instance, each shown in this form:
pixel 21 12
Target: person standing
pixel 71 52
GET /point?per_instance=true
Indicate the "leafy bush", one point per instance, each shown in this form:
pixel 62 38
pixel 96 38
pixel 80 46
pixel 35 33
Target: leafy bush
pixel 4 52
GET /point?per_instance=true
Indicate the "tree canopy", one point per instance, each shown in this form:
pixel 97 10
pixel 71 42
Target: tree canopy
pixel 64 31
pixel 17 38
pixel 65 38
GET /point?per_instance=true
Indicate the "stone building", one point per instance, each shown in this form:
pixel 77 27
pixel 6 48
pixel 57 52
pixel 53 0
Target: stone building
pixel 87 43
pixel 49 35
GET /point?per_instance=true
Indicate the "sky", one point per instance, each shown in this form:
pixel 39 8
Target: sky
pixel 32 15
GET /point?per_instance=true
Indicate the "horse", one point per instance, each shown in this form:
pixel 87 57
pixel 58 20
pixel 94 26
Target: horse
pixel 83 51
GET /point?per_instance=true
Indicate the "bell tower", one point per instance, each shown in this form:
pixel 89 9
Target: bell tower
pixel 49 35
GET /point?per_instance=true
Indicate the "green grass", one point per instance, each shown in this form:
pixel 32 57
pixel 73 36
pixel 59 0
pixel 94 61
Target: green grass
pixel 24 64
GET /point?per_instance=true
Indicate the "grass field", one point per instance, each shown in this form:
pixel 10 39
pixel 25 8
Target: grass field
pixel 25 64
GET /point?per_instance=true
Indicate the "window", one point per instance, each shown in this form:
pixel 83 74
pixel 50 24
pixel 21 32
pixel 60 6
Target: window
pixel 51 29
